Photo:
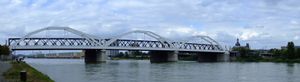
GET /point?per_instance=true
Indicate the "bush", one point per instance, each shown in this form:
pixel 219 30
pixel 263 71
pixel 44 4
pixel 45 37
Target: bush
pixel 4 53
pixel 4 50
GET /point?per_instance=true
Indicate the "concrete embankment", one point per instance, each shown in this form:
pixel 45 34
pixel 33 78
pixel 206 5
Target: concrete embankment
pixel 4 66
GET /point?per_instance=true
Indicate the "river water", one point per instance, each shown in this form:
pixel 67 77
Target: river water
pixel 74 70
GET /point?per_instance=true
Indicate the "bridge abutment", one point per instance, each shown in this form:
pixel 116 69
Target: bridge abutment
pixel 163 56
pixel 95 56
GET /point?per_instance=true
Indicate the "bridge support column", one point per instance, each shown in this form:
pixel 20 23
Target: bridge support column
pixel 95 56
pixel 163 56
pixel 223 57
pixel 212 57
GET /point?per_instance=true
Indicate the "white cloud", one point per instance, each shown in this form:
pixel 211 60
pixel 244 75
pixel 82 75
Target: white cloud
pixel 294 22
pixel 296 38
pixel 224 20
pixel 248 35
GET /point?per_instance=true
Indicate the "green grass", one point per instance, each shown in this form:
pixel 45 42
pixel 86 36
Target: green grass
pixel 13 74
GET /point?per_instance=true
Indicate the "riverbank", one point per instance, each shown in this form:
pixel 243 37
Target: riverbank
pixel 259 59
pixel 13 73
pixel 4 67
pixel 184 58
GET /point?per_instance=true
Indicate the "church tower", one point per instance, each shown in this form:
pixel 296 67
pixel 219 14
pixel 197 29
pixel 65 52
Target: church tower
pixel 237 42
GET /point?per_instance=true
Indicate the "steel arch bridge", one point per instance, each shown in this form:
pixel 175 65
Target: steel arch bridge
pixel 87 41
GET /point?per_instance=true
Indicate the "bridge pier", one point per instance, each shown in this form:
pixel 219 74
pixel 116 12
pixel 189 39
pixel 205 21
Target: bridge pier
pixel 224 57
pixel 163 56
pixel 95 56
pixel 212 57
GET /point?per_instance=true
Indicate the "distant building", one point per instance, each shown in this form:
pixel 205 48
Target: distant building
pixel 264 53
pixel 235 49
pixel 64 55
pixel 284 47
pixel 238 45
pixel 58 55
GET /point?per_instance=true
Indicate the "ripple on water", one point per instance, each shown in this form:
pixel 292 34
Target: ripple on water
pixel 74 70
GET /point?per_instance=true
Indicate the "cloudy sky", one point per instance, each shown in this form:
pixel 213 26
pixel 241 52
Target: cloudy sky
pixel 262 23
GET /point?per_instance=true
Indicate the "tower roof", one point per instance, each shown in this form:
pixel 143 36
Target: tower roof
pixel 237 42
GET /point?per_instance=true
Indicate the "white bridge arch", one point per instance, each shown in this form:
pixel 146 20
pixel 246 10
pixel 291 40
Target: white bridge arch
pixel 90 42
pixel 148 33
pixel 68 29
pixel 208 39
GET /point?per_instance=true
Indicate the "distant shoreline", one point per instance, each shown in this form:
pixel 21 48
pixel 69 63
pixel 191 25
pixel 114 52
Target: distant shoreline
pixel 275 60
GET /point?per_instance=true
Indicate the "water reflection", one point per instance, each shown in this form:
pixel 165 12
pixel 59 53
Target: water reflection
pixel 290 68
pixel 91 69
pixel 144 71
pixel 290 72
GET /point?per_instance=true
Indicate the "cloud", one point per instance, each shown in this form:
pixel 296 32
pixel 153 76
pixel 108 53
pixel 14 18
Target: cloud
pixel 259 22
pixel 248 35
pixel 296 38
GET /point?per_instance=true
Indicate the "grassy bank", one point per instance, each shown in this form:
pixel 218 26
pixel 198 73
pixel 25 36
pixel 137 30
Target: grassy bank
pixel 13 74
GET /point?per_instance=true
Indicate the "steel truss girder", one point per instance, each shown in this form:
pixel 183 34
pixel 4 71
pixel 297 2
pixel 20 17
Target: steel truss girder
pixel 79 42
pixel 89 41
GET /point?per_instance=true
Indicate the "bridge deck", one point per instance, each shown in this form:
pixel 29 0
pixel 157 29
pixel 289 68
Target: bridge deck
pixel 120 44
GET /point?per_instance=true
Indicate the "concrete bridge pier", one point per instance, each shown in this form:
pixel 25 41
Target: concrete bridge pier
pixel 224 57
pixel 212 57
pixel 163 56
pixel 95 56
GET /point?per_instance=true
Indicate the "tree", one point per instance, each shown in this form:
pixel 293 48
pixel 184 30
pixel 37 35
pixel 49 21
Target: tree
pixel 247 45
pixel 121 54
pixel 283 53
pixel 126 55
pixel 4 50
pixel 244 52
pixel 1 51
pixel 275 52
pixel 298 52
pixel 290 50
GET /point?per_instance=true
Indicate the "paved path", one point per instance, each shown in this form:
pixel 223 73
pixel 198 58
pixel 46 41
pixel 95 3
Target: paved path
pixel 4 66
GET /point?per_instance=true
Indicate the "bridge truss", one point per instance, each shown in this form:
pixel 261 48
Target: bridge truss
pixel 87 41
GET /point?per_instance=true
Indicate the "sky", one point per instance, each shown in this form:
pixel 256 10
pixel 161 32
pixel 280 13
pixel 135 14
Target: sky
pixel 261 23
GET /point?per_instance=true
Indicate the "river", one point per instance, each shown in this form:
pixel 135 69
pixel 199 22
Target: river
pixel 74 70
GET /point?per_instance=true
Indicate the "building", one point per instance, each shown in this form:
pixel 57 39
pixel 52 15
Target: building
pixel 235 51
pixel 284 47
pixel 58 55
pixel 238 45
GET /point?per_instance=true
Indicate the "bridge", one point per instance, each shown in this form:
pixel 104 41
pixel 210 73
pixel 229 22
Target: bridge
pixel 161 49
